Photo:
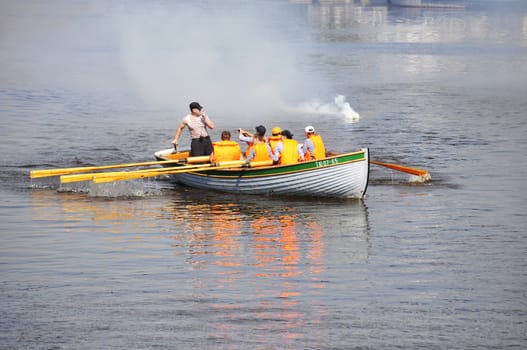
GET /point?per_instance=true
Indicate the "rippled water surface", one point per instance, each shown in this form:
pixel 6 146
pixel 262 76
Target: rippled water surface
pixel 150 264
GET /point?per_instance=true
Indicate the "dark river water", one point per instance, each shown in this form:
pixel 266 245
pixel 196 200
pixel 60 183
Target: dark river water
pixel 150 264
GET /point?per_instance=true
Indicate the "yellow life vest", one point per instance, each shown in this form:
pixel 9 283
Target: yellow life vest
pixel 260 152
pixel 226 150
pixel 273 140
pixel 320 150
pixel 249 148
pixel 290 152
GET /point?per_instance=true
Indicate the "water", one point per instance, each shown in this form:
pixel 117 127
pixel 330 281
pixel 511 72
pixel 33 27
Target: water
pixel 148 264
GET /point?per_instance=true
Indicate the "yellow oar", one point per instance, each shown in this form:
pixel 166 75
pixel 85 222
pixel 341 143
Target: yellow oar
pixel 405 169
pixel 130 175
pixel 65 171
pixel 90 176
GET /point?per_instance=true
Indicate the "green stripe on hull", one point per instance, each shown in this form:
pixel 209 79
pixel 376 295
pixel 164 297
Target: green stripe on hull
pixel 285 169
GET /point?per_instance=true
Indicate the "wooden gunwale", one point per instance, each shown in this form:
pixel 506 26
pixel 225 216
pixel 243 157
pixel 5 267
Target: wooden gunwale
pixel 276 170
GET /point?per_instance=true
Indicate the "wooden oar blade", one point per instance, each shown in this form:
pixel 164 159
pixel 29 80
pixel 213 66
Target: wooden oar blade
pixel 57 172
pixel 76 177
pixel 67 171
pixel 91 176
pixel 404 169
pixel 103 177
pixel 132 175
pixel 124 176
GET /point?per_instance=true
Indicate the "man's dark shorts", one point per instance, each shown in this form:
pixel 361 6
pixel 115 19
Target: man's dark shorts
pixel 200 147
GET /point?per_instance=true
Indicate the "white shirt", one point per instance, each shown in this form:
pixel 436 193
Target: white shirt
pixel 308 146
pixel 247 139
pixel 196 126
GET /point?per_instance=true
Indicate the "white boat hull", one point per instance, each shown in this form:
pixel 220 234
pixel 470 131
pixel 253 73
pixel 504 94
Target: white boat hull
pixel 339 176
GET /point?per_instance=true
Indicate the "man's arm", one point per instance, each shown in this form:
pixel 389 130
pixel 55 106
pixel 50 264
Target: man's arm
pixel 279 148
pixel 300 149
pixel 245 133
pixel 248 139
pixel 209 123
pixel 178 133
pixel 309 146
pixel 251 156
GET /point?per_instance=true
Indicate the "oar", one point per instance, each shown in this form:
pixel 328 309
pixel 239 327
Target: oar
pixel 130 175
pixel 65 171
pixel 405 169
pixel 90 176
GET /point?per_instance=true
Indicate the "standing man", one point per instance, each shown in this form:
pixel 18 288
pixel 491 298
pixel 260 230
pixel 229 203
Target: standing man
pixel 197 123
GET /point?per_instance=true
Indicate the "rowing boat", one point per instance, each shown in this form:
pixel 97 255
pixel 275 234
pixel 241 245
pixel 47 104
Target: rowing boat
pixel 343 175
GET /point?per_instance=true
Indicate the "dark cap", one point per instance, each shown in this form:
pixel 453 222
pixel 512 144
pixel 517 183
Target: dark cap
pixel 260 129
pixel 287 134
pixel 195 105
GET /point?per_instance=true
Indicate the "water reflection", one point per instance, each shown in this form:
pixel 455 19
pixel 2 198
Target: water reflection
pixel 245 259
pixel 77 213
pixel 377 22
pixel 275 238
pixel 282 250
pixel 346 22
pixel 277 230
pixel 394 44
pixel 273 235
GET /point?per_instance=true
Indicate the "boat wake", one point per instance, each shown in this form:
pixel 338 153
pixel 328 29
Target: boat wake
pixel 119 189
pixel 338 107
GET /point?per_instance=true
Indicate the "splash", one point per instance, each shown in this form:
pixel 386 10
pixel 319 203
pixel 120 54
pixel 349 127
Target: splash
pixel 124 189
pixel 339 107
pixel 419 179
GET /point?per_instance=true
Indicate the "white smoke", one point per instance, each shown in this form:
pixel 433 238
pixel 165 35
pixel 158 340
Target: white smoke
pixel 338 107
pixel 235 60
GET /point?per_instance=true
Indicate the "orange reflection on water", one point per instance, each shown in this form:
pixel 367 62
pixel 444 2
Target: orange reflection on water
pixel 317 249
pixel 270 252
pixel 265 251
pixel 285 247
pixel 226 226
pixel 289 247
pixel 279 251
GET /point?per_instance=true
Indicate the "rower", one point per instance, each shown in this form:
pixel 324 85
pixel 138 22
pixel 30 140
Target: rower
pixel 313 145
pixel 225 150
pixel 287 150
pixel 276 136
pixel 260 149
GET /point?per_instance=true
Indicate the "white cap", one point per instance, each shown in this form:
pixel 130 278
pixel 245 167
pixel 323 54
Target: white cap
pixel 310 128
